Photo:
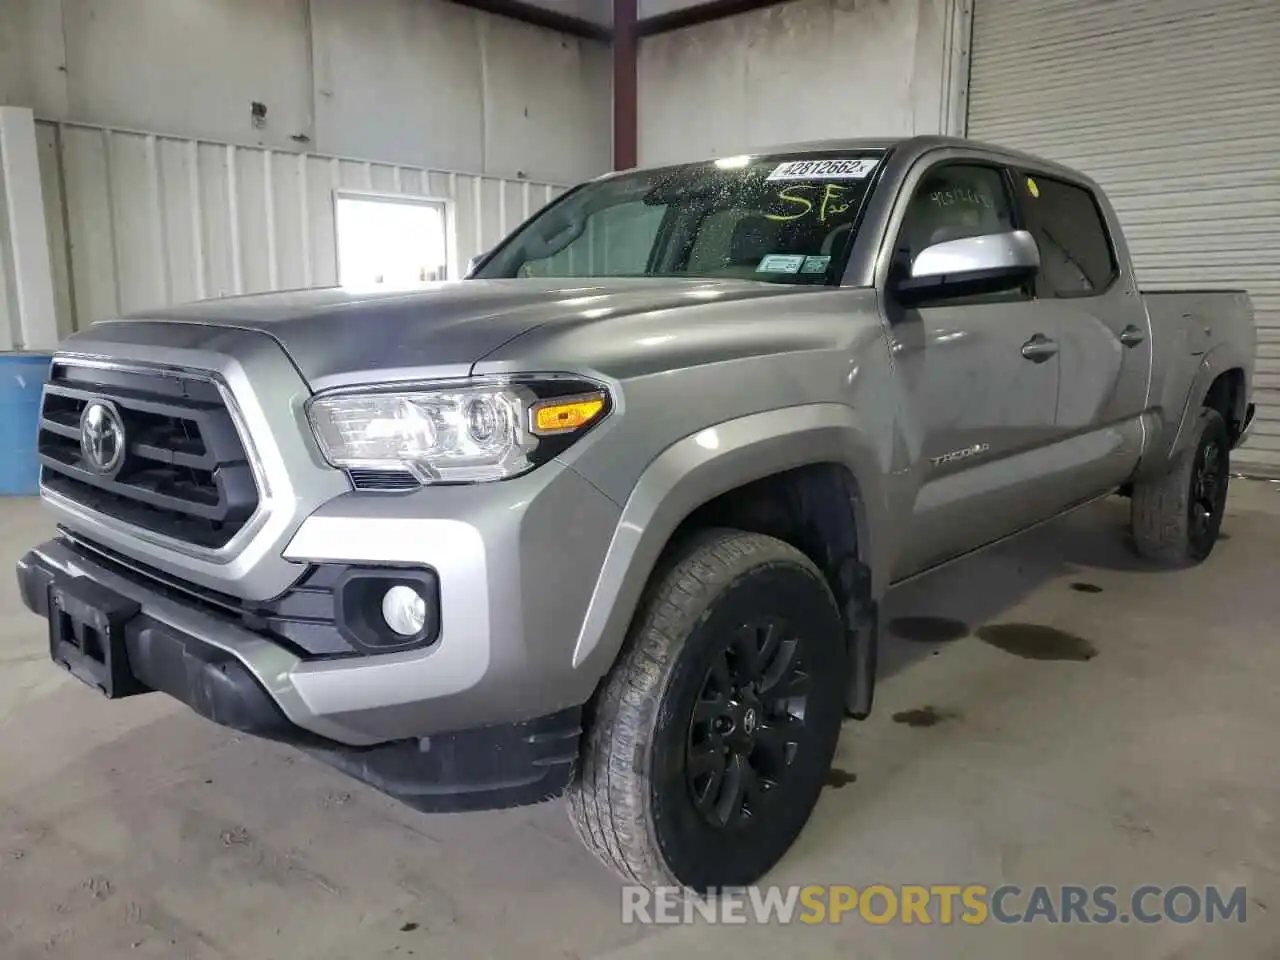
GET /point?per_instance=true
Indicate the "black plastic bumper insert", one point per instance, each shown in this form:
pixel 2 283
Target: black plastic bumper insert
pixel 107 641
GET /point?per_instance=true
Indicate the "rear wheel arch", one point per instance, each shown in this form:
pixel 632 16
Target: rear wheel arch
pixel 1219 384
pixel 1226 394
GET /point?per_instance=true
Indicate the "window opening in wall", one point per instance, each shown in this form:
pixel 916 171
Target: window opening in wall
pixel 390 241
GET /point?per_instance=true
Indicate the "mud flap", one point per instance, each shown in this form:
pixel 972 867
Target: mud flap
pixel 863 616
pixel 823 501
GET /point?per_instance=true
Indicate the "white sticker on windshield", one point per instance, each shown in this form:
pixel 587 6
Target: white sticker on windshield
pixel 853 169
pixel 781 263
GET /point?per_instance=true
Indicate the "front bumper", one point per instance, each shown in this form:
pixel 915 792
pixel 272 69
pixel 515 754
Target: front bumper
pixel 509 620
pixel 491 767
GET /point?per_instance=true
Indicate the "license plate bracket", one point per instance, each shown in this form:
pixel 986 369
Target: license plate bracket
pixel 87 624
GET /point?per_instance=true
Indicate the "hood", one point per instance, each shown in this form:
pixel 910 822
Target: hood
pixel 338 336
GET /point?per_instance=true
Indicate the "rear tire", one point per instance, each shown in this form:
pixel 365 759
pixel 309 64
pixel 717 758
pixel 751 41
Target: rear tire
pixel 711 737
pixel 1176 518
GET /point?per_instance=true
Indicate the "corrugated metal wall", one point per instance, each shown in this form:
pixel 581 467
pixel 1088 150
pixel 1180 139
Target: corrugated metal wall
pixel 139 220
pixel 1174 106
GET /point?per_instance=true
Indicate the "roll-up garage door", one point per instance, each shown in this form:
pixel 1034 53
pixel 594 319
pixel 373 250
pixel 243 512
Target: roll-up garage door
pixel 1174 107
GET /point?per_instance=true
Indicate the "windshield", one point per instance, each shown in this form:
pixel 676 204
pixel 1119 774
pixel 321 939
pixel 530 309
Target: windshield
pixel 786 218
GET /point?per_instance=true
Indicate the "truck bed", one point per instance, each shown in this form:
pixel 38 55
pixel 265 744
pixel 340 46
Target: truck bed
pixel 1193 322
pixel 1208 316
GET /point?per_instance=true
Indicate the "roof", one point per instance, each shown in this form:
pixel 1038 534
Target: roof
pixel 917 145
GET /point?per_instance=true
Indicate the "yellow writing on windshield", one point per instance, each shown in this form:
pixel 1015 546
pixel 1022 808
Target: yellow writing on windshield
pixel 792 195
pixel 830 204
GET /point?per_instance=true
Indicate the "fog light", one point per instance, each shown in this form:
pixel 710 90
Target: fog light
pixel 405 610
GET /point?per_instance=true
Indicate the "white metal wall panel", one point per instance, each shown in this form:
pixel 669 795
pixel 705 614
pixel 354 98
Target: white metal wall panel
pixel 808 69
pixel 1174 107
pixel 420 82
pixel 137 220
pixel 8 308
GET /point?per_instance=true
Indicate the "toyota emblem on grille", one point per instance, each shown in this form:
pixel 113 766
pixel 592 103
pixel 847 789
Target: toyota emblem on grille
pixel 101 437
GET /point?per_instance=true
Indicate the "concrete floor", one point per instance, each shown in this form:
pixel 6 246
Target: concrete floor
pixel 136 829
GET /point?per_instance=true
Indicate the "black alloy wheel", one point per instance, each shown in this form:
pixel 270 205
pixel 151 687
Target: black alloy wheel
pixel 748 722
pixel 1176 516
pixel 709 743
pixel 1208 498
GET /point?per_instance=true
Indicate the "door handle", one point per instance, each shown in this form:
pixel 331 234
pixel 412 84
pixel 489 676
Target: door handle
pixel 1039 348
pixel 1131 336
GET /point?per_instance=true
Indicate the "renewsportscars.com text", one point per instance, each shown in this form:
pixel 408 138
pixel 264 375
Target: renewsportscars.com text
pixel 942 904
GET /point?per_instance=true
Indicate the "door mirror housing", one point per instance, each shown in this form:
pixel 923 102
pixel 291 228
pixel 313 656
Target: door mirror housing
pixel 474 262
pixel 969 267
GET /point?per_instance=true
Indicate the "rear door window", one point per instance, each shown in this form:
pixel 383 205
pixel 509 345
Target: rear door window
pixel 1076 257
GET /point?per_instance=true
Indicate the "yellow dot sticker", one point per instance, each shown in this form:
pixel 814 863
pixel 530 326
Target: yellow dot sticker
pixel 1032 188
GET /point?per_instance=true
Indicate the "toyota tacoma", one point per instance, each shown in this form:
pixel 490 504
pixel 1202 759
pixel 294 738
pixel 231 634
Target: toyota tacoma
pixel 612 517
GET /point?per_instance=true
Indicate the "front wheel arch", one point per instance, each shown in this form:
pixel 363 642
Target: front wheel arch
pixel 818 509
pixel 714 464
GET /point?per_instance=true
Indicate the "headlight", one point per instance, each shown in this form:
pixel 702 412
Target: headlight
pixel 458 432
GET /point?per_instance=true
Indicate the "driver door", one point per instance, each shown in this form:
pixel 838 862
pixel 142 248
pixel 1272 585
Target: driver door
pixel 979 377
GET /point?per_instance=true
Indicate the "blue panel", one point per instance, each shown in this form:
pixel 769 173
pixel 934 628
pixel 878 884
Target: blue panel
pixel 22 377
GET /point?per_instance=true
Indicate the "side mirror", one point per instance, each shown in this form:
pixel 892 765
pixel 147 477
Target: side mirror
pixel 970 266
pixel 474 262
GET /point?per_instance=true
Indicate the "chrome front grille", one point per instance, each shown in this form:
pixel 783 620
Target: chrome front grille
pixel 183 473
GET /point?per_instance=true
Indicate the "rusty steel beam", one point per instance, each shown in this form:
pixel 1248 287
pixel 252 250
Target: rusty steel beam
pixel 541 17
pixel 626 134
pixel 700 14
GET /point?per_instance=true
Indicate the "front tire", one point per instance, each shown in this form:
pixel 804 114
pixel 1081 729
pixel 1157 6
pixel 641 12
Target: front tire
pixel 712 735
pixel 1176 518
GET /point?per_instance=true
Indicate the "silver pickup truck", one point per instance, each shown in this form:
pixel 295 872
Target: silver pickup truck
pixel 613 517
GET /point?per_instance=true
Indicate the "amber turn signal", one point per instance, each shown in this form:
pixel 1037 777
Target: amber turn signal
pixel 565 415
